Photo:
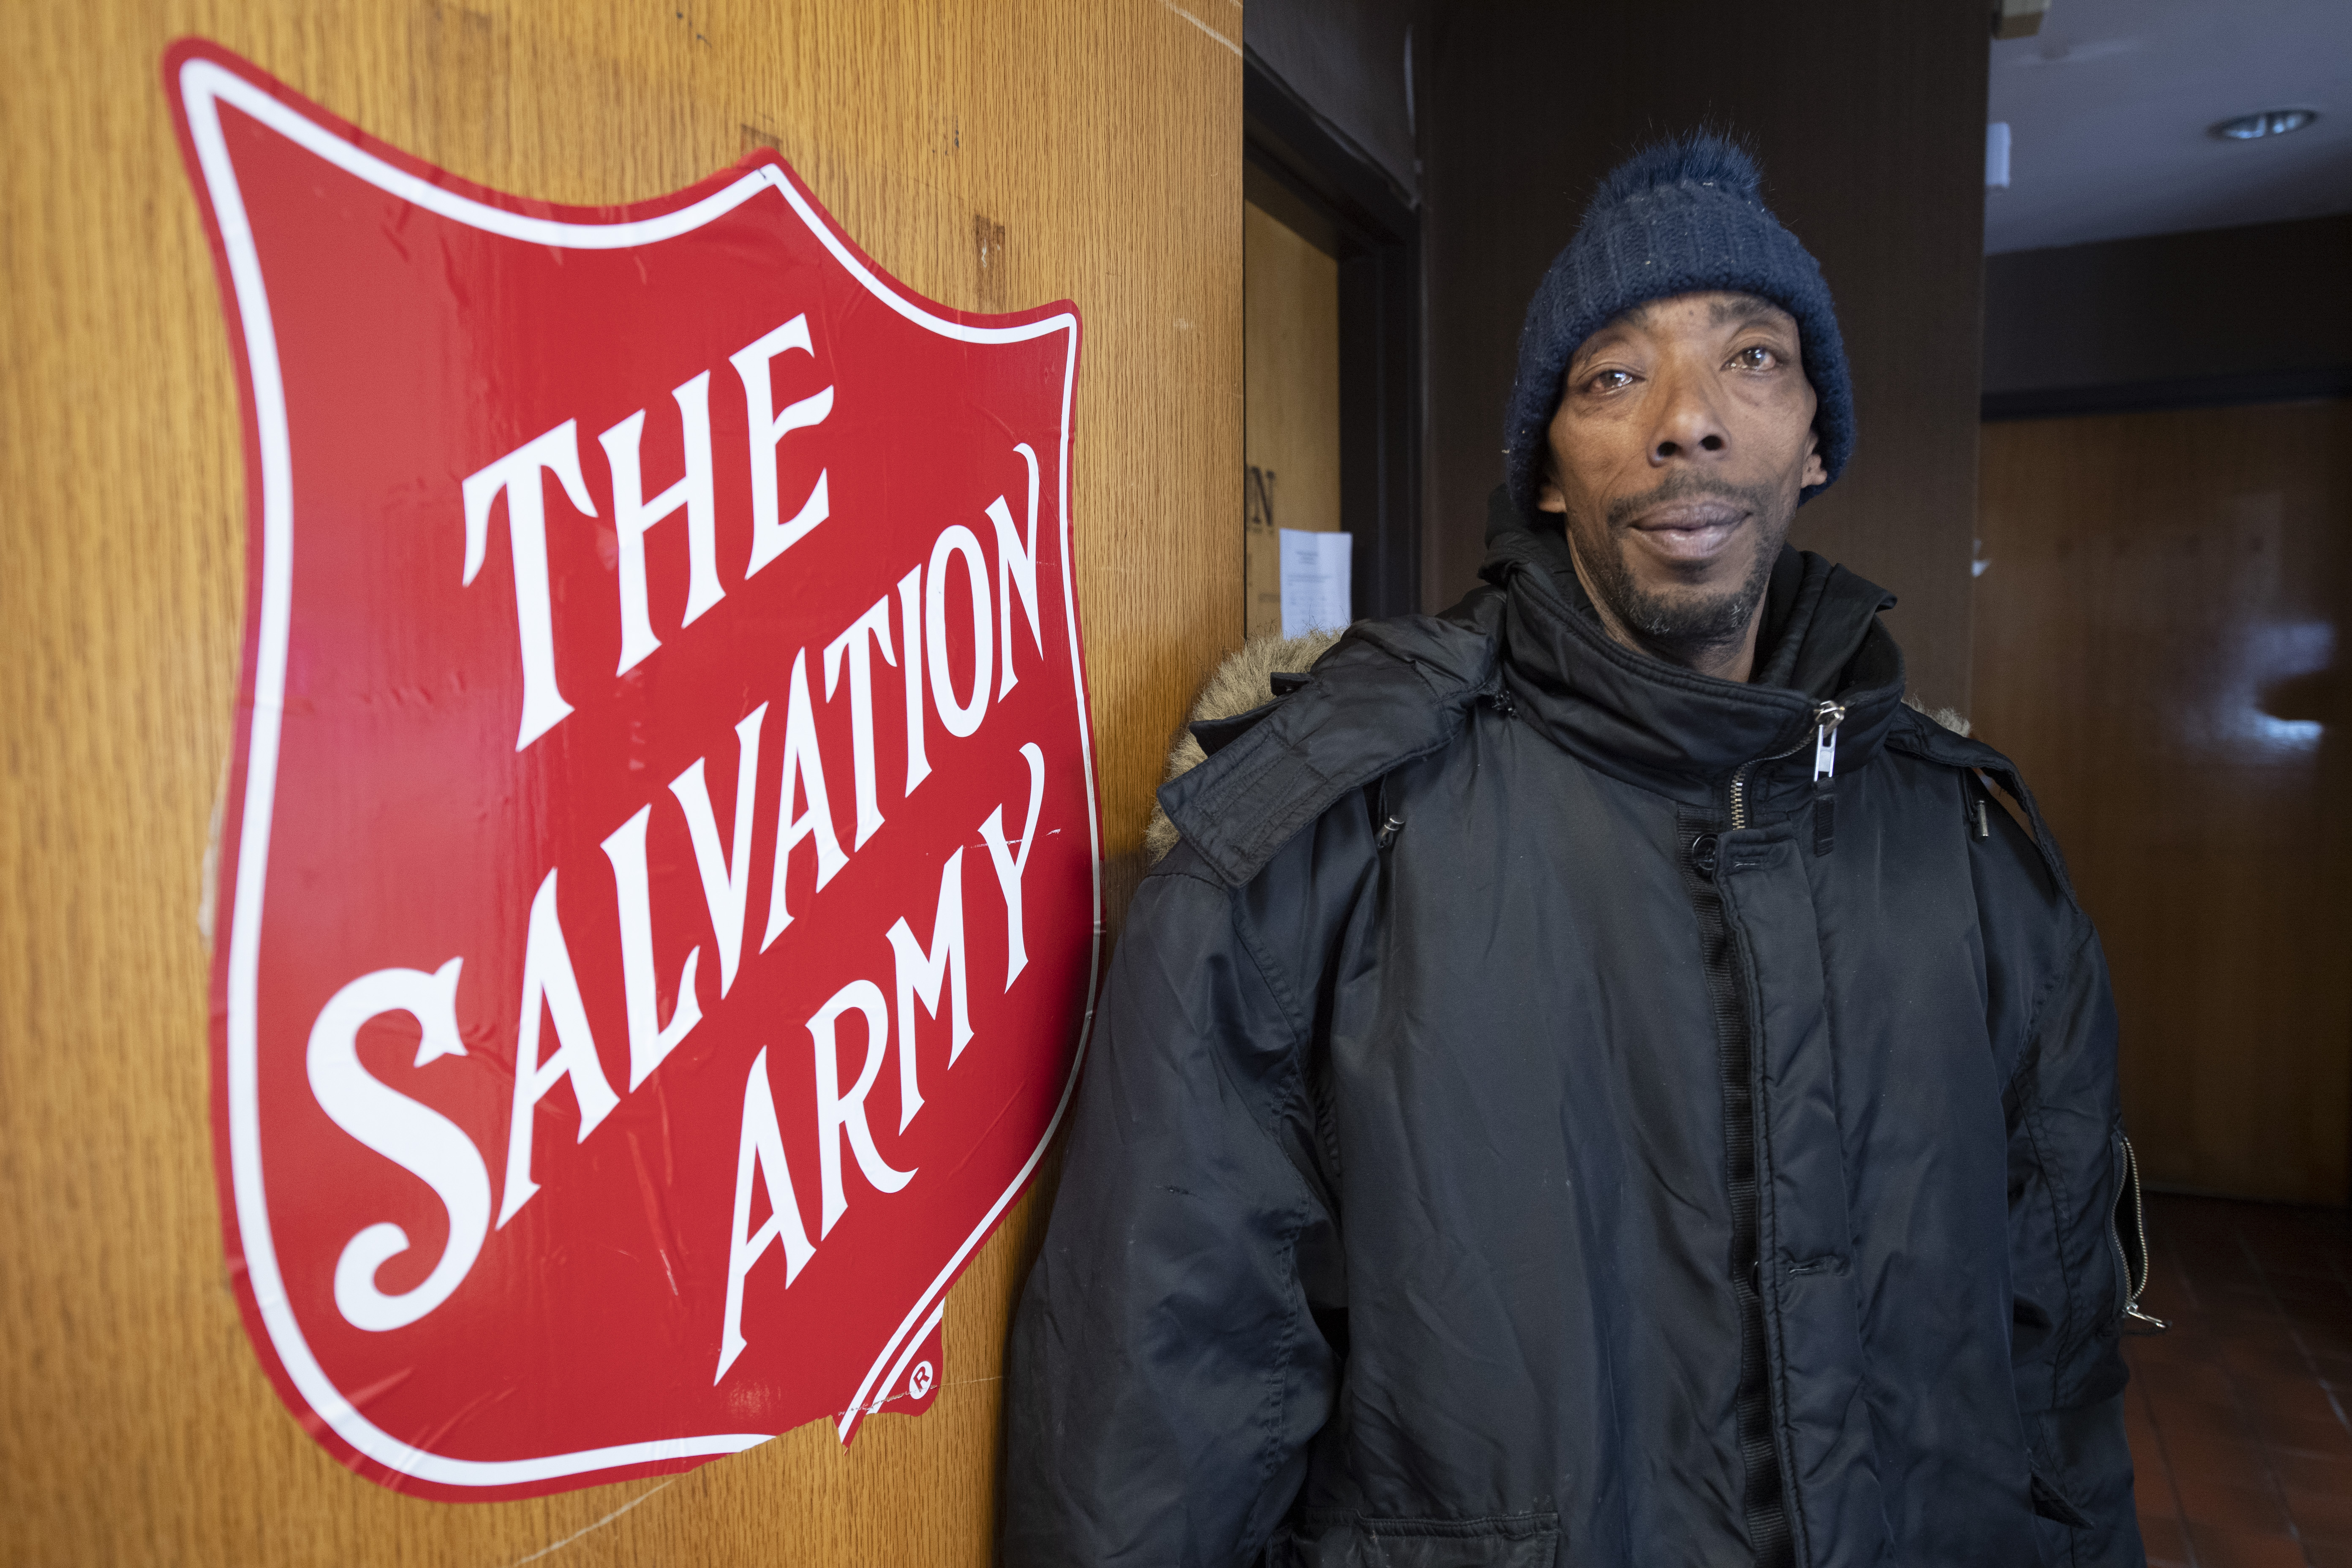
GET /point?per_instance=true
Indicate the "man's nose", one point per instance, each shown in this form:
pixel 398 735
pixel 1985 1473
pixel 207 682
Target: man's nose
pixel 1688 422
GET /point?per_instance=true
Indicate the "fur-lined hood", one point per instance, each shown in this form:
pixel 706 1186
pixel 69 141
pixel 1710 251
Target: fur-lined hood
pixel 1243 681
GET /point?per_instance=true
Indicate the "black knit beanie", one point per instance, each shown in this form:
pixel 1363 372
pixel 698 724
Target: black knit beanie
pixel 1681 216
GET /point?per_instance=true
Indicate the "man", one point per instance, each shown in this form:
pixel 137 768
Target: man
pixel 1600 1081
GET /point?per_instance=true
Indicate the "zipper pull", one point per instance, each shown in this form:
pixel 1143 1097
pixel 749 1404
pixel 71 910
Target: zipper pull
pixel 1827 716
pixel 1826 719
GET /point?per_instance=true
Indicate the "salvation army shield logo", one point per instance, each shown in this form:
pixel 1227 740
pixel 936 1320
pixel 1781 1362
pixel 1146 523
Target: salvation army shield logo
pixel 660 873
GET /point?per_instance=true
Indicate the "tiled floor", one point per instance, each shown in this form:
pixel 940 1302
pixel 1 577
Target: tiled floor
pixel 2242 1416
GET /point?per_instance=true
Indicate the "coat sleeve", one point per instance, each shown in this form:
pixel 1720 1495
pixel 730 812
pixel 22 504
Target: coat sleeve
pixel 1165 1372
pixel 2066 1265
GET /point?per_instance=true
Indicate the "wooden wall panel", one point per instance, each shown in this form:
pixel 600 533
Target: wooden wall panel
pixel 994 156
pixel 2159 646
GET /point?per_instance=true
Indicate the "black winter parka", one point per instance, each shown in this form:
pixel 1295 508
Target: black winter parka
pixel 1530 1122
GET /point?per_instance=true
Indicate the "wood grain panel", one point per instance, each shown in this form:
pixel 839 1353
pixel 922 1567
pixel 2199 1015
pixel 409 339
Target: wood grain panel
pixel 1290 420
pixel 2158 646
pixel 992 156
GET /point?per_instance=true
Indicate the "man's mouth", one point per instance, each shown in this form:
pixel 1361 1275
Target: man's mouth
pixel 1690 531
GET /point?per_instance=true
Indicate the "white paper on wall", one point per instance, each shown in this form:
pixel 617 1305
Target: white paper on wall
pixel 1315 575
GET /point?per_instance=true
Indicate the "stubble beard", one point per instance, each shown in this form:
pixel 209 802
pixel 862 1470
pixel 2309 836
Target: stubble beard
pixel 1683 625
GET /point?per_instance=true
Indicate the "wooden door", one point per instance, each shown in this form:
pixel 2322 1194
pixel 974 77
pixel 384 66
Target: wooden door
pixel 2158 645
pixel 1291 357
pixel 991 156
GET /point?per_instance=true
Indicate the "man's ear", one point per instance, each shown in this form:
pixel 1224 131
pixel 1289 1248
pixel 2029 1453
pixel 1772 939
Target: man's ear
pixel 1548 495
pixel 1816 471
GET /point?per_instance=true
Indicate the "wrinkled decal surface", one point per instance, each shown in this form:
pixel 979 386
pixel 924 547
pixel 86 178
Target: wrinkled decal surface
pixel 659 877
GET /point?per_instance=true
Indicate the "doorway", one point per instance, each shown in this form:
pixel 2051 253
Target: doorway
pixel 1331 367
pixel 1290 417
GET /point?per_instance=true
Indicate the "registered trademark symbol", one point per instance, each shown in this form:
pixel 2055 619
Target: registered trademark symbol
pixel 919 1382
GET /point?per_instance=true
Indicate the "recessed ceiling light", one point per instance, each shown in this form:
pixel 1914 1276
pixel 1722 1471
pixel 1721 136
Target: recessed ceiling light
pixel 2269 122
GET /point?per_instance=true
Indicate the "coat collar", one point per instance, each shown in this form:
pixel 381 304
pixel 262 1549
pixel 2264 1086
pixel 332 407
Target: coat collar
pixel 1674 730
pixel 1394 690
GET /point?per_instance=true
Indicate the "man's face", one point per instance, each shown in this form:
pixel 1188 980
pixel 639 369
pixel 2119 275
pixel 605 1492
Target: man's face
pixel 1684 435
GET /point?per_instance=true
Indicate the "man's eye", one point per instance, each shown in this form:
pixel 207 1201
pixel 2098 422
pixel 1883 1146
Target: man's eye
pixel 1609 380
pixel 1755 356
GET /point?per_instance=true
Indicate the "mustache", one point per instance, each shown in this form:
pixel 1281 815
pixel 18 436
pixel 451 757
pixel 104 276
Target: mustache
pixel 1687 485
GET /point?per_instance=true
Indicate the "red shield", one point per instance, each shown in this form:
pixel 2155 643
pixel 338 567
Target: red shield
pixel 660 888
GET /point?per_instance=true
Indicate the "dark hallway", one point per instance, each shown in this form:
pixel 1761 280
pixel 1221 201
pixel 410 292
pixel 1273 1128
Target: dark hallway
pixel 2241 1417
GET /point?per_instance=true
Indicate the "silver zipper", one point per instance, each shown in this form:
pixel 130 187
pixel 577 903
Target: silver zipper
pixel 1827 716
pixel 2137 1319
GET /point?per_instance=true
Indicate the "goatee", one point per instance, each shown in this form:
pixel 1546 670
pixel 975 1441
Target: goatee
pixel 1683 625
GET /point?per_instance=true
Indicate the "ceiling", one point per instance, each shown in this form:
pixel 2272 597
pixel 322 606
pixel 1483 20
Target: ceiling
pixel 2109 109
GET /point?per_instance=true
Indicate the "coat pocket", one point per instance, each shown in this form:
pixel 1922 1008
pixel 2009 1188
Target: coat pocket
pixel 1353 1541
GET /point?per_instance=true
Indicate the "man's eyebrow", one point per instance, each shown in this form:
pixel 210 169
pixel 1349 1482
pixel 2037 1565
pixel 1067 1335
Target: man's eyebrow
pixel 1743 307
pixel 1633 315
